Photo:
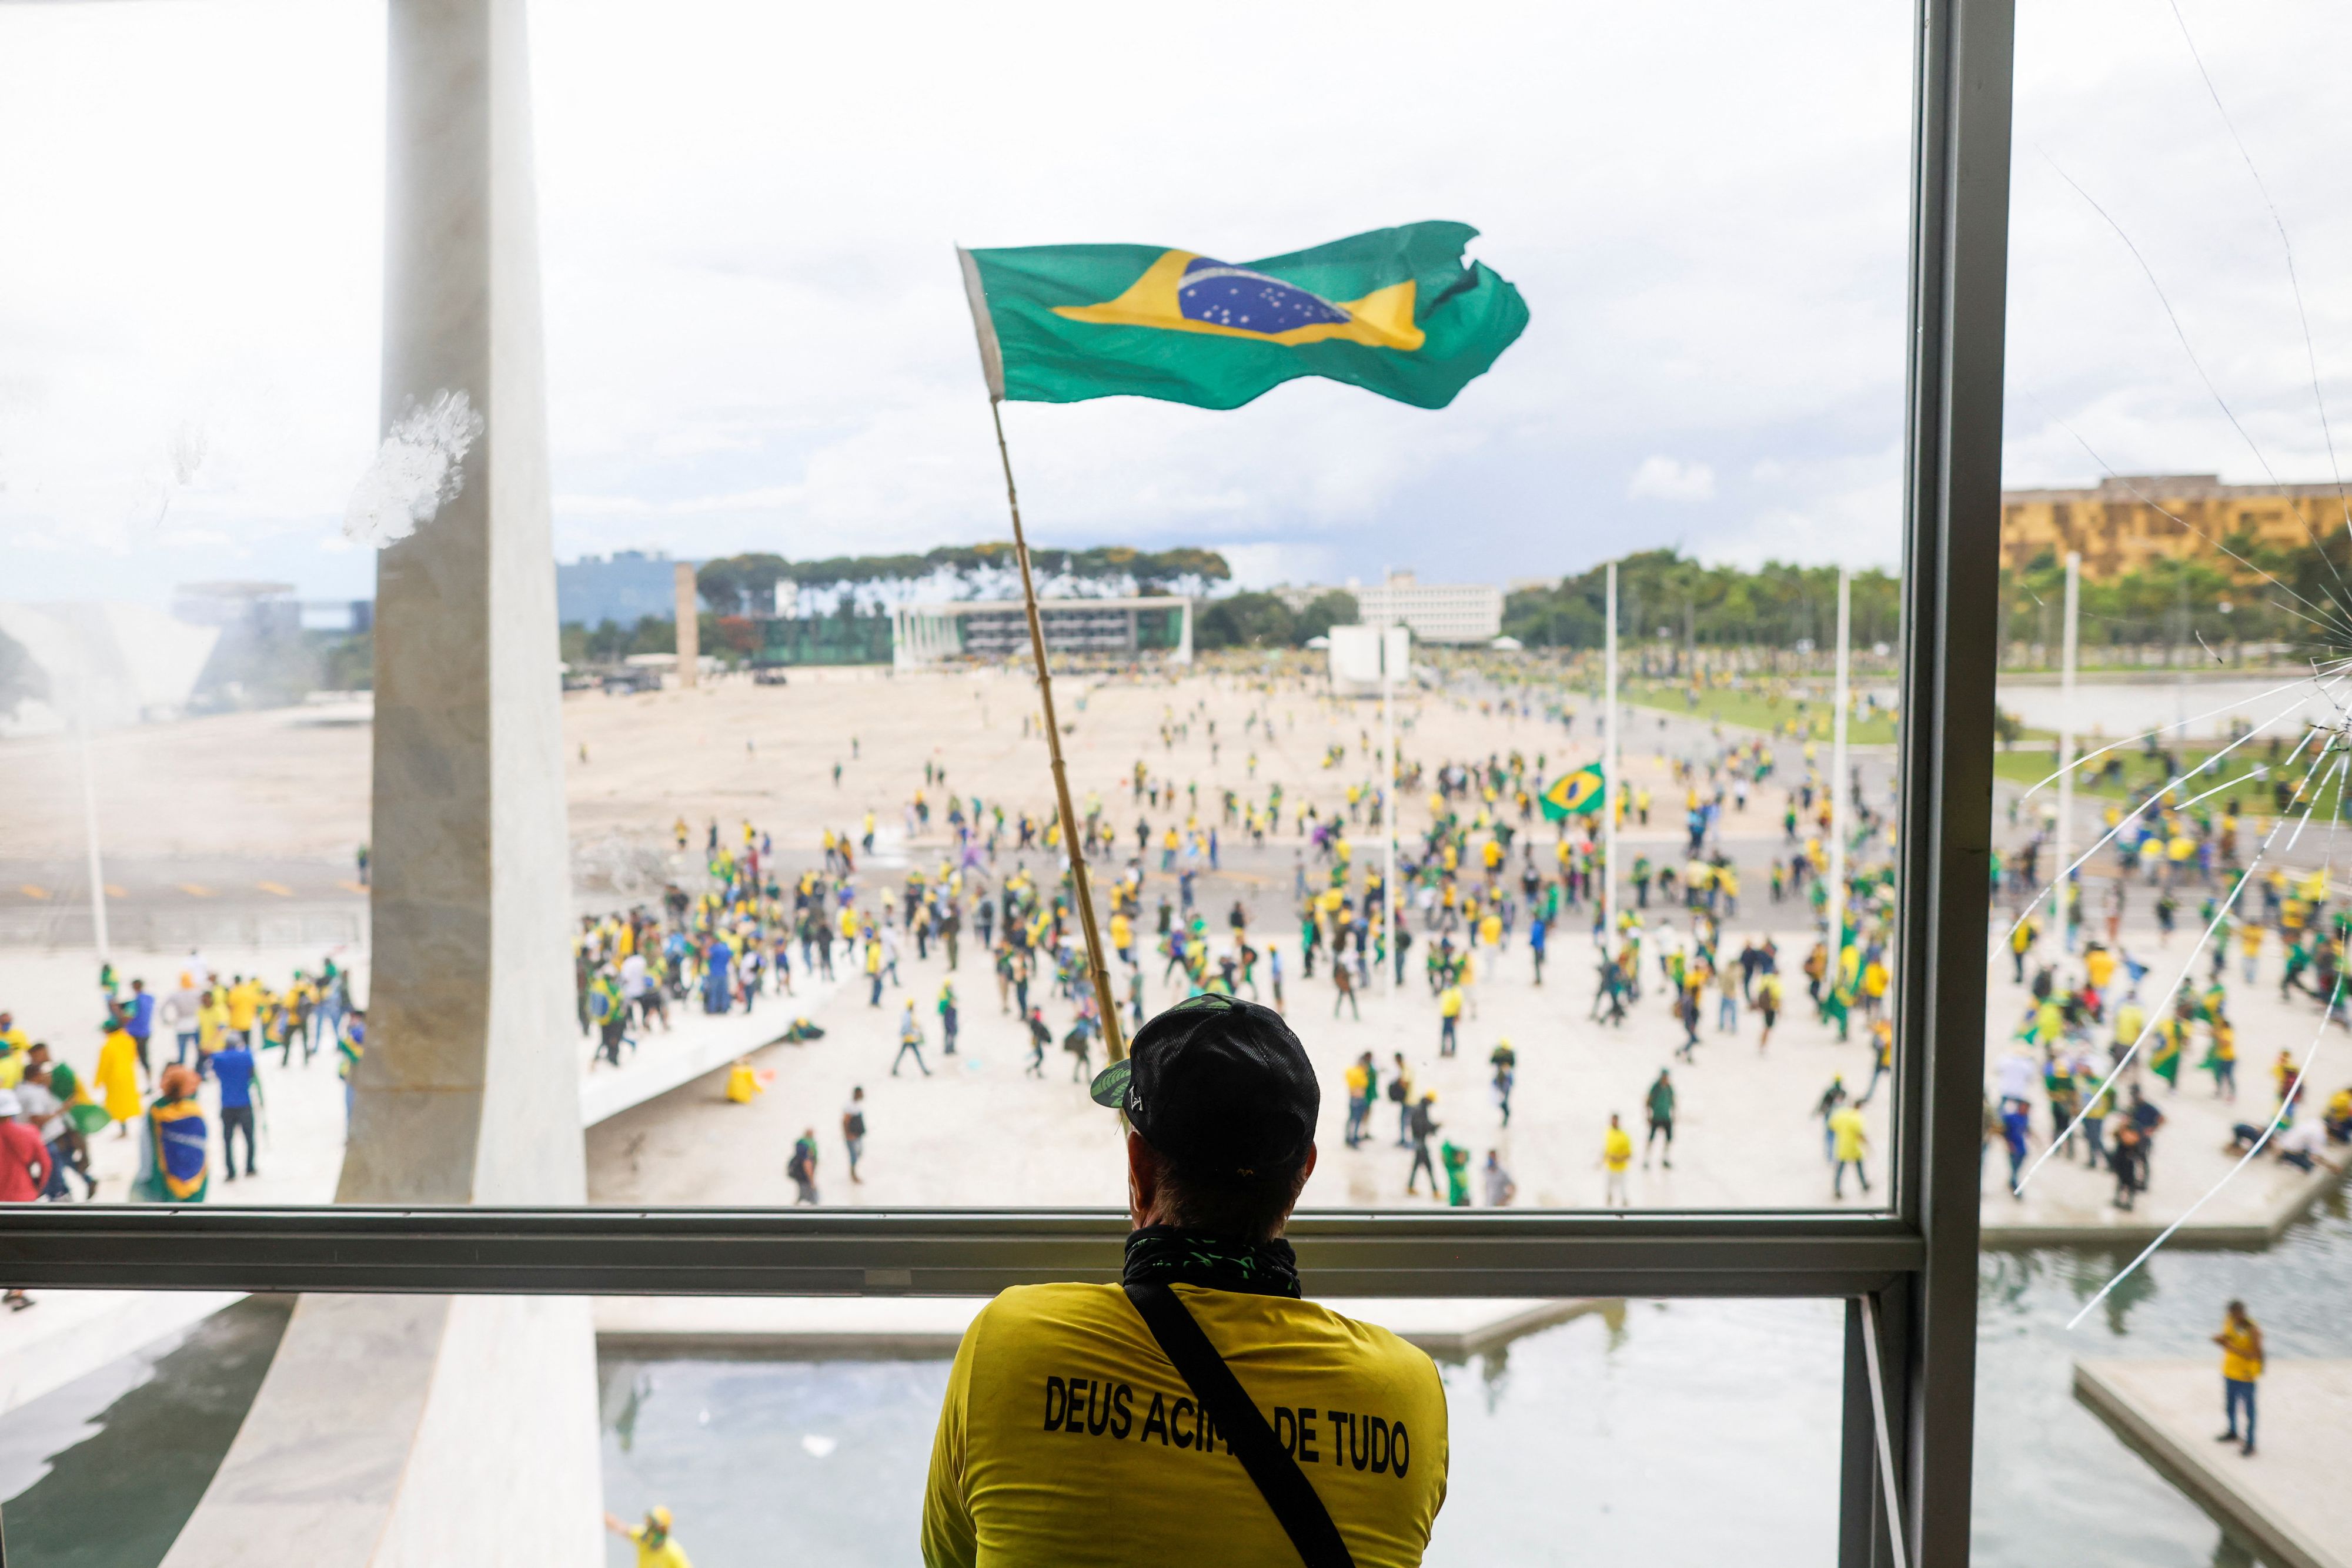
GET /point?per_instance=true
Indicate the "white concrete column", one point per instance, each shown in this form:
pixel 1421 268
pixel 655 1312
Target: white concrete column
pixel 429 1430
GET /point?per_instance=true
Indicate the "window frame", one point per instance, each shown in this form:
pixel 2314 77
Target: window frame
pixel 1916 1261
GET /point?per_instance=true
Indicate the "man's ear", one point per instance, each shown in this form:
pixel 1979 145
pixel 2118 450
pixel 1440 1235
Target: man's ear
pixel 1142 1177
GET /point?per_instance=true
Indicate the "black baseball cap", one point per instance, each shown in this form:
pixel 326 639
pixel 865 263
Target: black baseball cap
pixel 1221 1086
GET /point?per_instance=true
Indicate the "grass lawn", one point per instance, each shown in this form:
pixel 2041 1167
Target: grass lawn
pixel 1752 709
pixel 2036 758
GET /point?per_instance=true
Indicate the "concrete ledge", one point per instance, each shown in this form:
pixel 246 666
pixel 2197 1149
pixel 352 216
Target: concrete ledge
pixel 2288 1499
pixel 2145 1223
pixel 916 1328
pixel 697 1044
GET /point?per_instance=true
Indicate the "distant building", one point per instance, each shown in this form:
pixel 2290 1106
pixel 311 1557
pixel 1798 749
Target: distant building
pixel 999 628
pixel 2122 524
pixel 121 664
pixel 1436 611
pixel 625 588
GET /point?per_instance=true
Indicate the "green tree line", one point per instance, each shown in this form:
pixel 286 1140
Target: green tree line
pixel 1664 592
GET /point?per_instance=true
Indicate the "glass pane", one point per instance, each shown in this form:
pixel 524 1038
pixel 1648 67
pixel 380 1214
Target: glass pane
pixel 803 1428
pixel 757 371
pixel 2191 780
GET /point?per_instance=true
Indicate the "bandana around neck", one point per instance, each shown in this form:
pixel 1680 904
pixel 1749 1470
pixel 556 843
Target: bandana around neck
pixel 1164 1255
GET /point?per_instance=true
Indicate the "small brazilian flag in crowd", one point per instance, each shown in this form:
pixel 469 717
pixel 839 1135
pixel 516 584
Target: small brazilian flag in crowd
pixel 1396 312
pixel 1572 794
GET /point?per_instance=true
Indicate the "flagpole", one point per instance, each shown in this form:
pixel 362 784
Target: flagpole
pixel 1609 785
pixel 1838 786
pixel 2065 848
pixel 1390 802
pixel 1114 1045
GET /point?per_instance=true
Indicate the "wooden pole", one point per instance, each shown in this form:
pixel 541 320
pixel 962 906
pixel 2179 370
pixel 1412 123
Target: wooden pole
pixel 1114 1043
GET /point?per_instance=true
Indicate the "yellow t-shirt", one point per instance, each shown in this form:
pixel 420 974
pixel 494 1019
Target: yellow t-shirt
pixel 1449 1002
pixel 1617 1149
pixel 1846 1126
pixel 244 1001
pixel 1065 1429
pixel 669 1554
pixel 2239 1361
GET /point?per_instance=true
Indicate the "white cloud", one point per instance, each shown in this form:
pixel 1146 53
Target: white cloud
pixel 1664 479
pixel 757 338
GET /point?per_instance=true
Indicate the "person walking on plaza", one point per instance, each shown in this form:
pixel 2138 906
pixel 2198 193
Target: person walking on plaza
pixel 1500 1187
pixel 1360 1075
pixel 118 1078
pixel 910 1039
pixel 25 1165
pixel 1401 1092
pixel 1505 1061
pixel 1659 1104
pixel 1425 1125
pixel 174 1153
pixel 234 1070
pixel 1850 1139
pixel 1040 1037
pixel 802 1167
pixel 853 1130
pixel 1449 1016
pixel 1343 980
pixel 180 1011
pixel 139 1023
pixel 948 1018
pixel 2240 1340
pixel 1616 1153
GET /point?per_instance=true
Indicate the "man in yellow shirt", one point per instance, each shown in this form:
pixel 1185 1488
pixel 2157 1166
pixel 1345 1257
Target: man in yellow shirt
pixel 2240 1340
pixel 244 1007
pixel 655 1548
pixel 1616 1153
pixel 1848 1139
pixel 1449 1019
pixel 1200 1410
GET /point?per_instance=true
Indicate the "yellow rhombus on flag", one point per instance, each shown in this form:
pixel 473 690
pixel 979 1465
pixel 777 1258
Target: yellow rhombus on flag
pixel 1572 794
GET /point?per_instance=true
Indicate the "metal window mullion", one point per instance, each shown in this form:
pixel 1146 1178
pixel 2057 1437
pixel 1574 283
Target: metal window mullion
pixel 1952 495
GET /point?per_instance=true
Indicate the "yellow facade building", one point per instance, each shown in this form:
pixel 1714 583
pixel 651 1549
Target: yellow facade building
pixel 2133 519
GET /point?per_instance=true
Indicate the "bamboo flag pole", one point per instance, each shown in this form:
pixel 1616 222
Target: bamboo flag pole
pixel 1114 1043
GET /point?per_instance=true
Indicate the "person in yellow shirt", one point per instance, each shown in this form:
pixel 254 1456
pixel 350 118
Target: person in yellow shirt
pixel 1849 1139
pixel 212 1022
pixel 656 1546
pixel 1449 1019
pixel 2240 1340
pixel 1616 1153
pixel 1175 1403
pixel 118 1078
pixel 244 1007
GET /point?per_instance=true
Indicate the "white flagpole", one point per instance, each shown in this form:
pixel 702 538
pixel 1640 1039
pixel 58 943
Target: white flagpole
pixel 1391 803
pixel 2063 848
pixel 1609 783
pixel 89 820
pixel 1838 782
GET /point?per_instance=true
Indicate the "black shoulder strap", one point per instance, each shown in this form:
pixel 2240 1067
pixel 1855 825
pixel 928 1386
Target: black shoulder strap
pixel 1276 1475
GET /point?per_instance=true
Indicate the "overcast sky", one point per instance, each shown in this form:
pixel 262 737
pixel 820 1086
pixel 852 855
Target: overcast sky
pixel 757 338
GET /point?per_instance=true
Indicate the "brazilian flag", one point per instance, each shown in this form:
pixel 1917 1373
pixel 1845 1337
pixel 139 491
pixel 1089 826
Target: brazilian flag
pixel 1574 794
pixel 1396 312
